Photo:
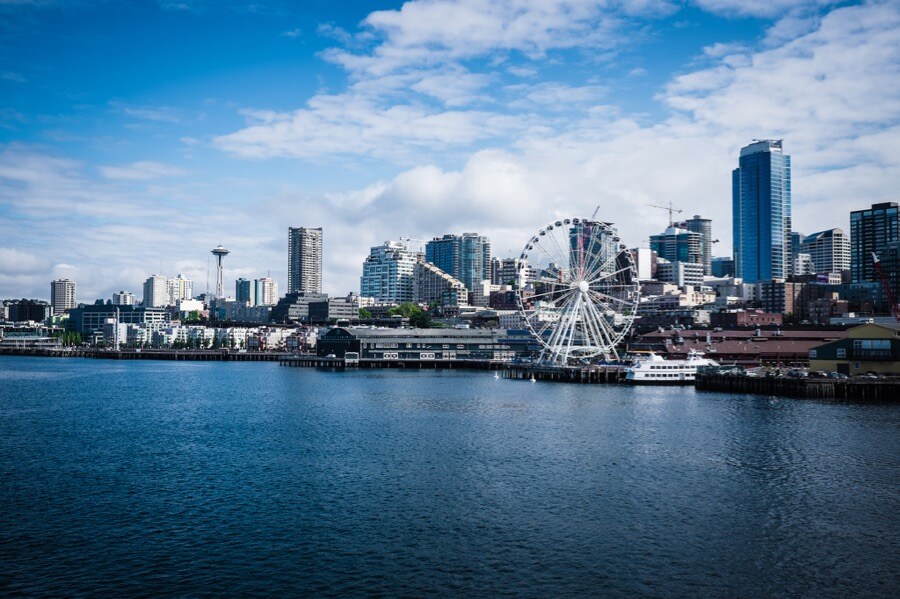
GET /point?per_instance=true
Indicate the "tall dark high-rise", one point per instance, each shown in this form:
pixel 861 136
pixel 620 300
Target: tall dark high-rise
pixel 305 259
pixel 761 212
pixel 871 230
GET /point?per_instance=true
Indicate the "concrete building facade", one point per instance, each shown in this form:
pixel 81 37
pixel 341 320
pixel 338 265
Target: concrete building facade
pixel 304 259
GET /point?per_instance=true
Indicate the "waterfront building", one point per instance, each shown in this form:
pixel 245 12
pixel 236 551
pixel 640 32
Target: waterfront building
pixel 426 344
pixel 304 259
pixel 156 292
pixel 678 245
pixel 389 273
pixel 431 285
pixel 466 257
pixel 829 250
pixel 62 295
pixel 761 212
pixel 703 227
pixel 123 298
pixel 265 291
pixel 866 348
pixel 871 230
pixel 89 319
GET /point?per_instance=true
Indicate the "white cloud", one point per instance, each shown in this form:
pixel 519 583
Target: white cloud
pixel 141 170
pixel 758 8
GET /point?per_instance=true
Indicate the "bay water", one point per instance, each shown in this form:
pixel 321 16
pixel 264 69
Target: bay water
pixel 239 479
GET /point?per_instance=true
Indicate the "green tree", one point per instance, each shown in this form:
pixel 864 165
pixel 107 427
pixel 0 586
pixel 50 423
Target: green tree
pixel 364 314
pixel 416 315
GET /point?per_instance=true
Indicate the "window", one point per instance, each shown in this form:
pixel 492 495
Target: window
pixel 841 352
pixel 812 353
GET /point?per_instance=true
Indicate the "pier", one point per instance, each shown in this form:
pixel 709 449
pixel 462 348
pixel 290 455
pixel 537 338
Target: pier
pixel 885 390
pixel 566 374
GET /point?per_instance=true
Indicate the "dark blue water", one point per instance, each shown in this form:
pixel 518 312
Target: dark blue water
pixel 204 478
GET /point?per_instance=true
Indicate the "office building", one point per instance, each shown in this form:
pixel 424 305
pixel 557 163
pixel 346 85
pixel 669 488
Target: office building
pixel 761 212
pixel 703 227
pixel 180 288
pixel 156 292
pixel 680 273
pixel 829 250
pixel 871 230
pixel 266 291
pixel 511 271
pixel 29 310
pixel 62 295
pixel 678 245
pixel 722 266
pixel 304 260
pixel 466 257
pixel 389 272
pixel 245 292
pixel 123 298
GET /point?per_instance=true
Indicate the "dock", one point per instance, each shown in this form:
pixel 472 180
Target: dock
pixel 885 390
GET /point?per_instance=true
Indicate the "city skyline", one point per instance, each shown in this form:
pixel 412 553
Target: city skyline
pixel 380 123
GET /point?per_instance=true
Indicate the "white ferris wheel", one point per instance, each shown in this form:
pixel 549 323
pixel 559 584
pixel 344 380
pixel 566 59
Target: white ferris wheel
pixel 578 291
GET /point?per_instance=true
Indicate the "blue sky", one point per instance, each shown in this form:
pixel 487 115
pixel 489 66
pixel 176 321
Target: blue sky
pixel 136 136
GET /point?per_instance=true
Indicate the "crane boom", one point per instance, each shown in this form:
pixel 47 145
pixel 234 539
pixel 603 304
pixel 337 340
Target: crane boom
pixel 670 209
pixel 895 310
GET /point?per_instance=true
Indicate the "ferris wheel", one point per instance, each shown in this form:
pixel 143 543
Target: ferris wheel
pixel 578 291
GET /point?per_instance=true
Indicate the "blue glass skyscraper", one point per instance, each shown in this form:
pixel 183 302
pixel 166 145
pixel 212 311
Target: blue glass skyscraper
pixel 761 212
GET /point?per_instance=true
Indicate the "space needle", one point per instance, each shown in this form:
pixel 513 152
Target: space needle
pixel 219 253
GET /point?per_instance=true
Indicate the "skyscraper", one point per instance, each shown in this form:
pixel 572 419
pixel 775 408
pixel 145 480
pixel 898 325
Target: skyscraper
pixel 871 230
pixel 304 259
pixel 702 226
pixel 678 245
pixel 156 292
pixel 62 295
pixel 761 212
pixel 466 257
pixel 266 291
pixel 244 291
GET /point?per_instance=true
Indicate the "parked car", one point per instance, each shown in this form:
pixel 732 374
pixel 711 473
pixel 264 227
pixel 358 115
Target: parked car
pixel 837 375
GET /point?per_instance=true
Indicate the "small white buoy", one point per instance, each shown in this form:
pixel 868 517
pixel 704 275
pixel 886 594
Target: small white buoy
pixel 533 380
pixel 496 375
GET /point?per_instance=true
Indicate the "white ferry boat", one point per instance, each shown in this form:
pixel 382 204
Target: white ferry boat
pixel 656 370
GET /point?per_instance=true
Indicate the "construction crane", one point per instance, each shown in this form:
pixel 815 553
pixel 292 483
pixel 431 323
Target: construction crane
pixel 895 310
pixel 670 209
